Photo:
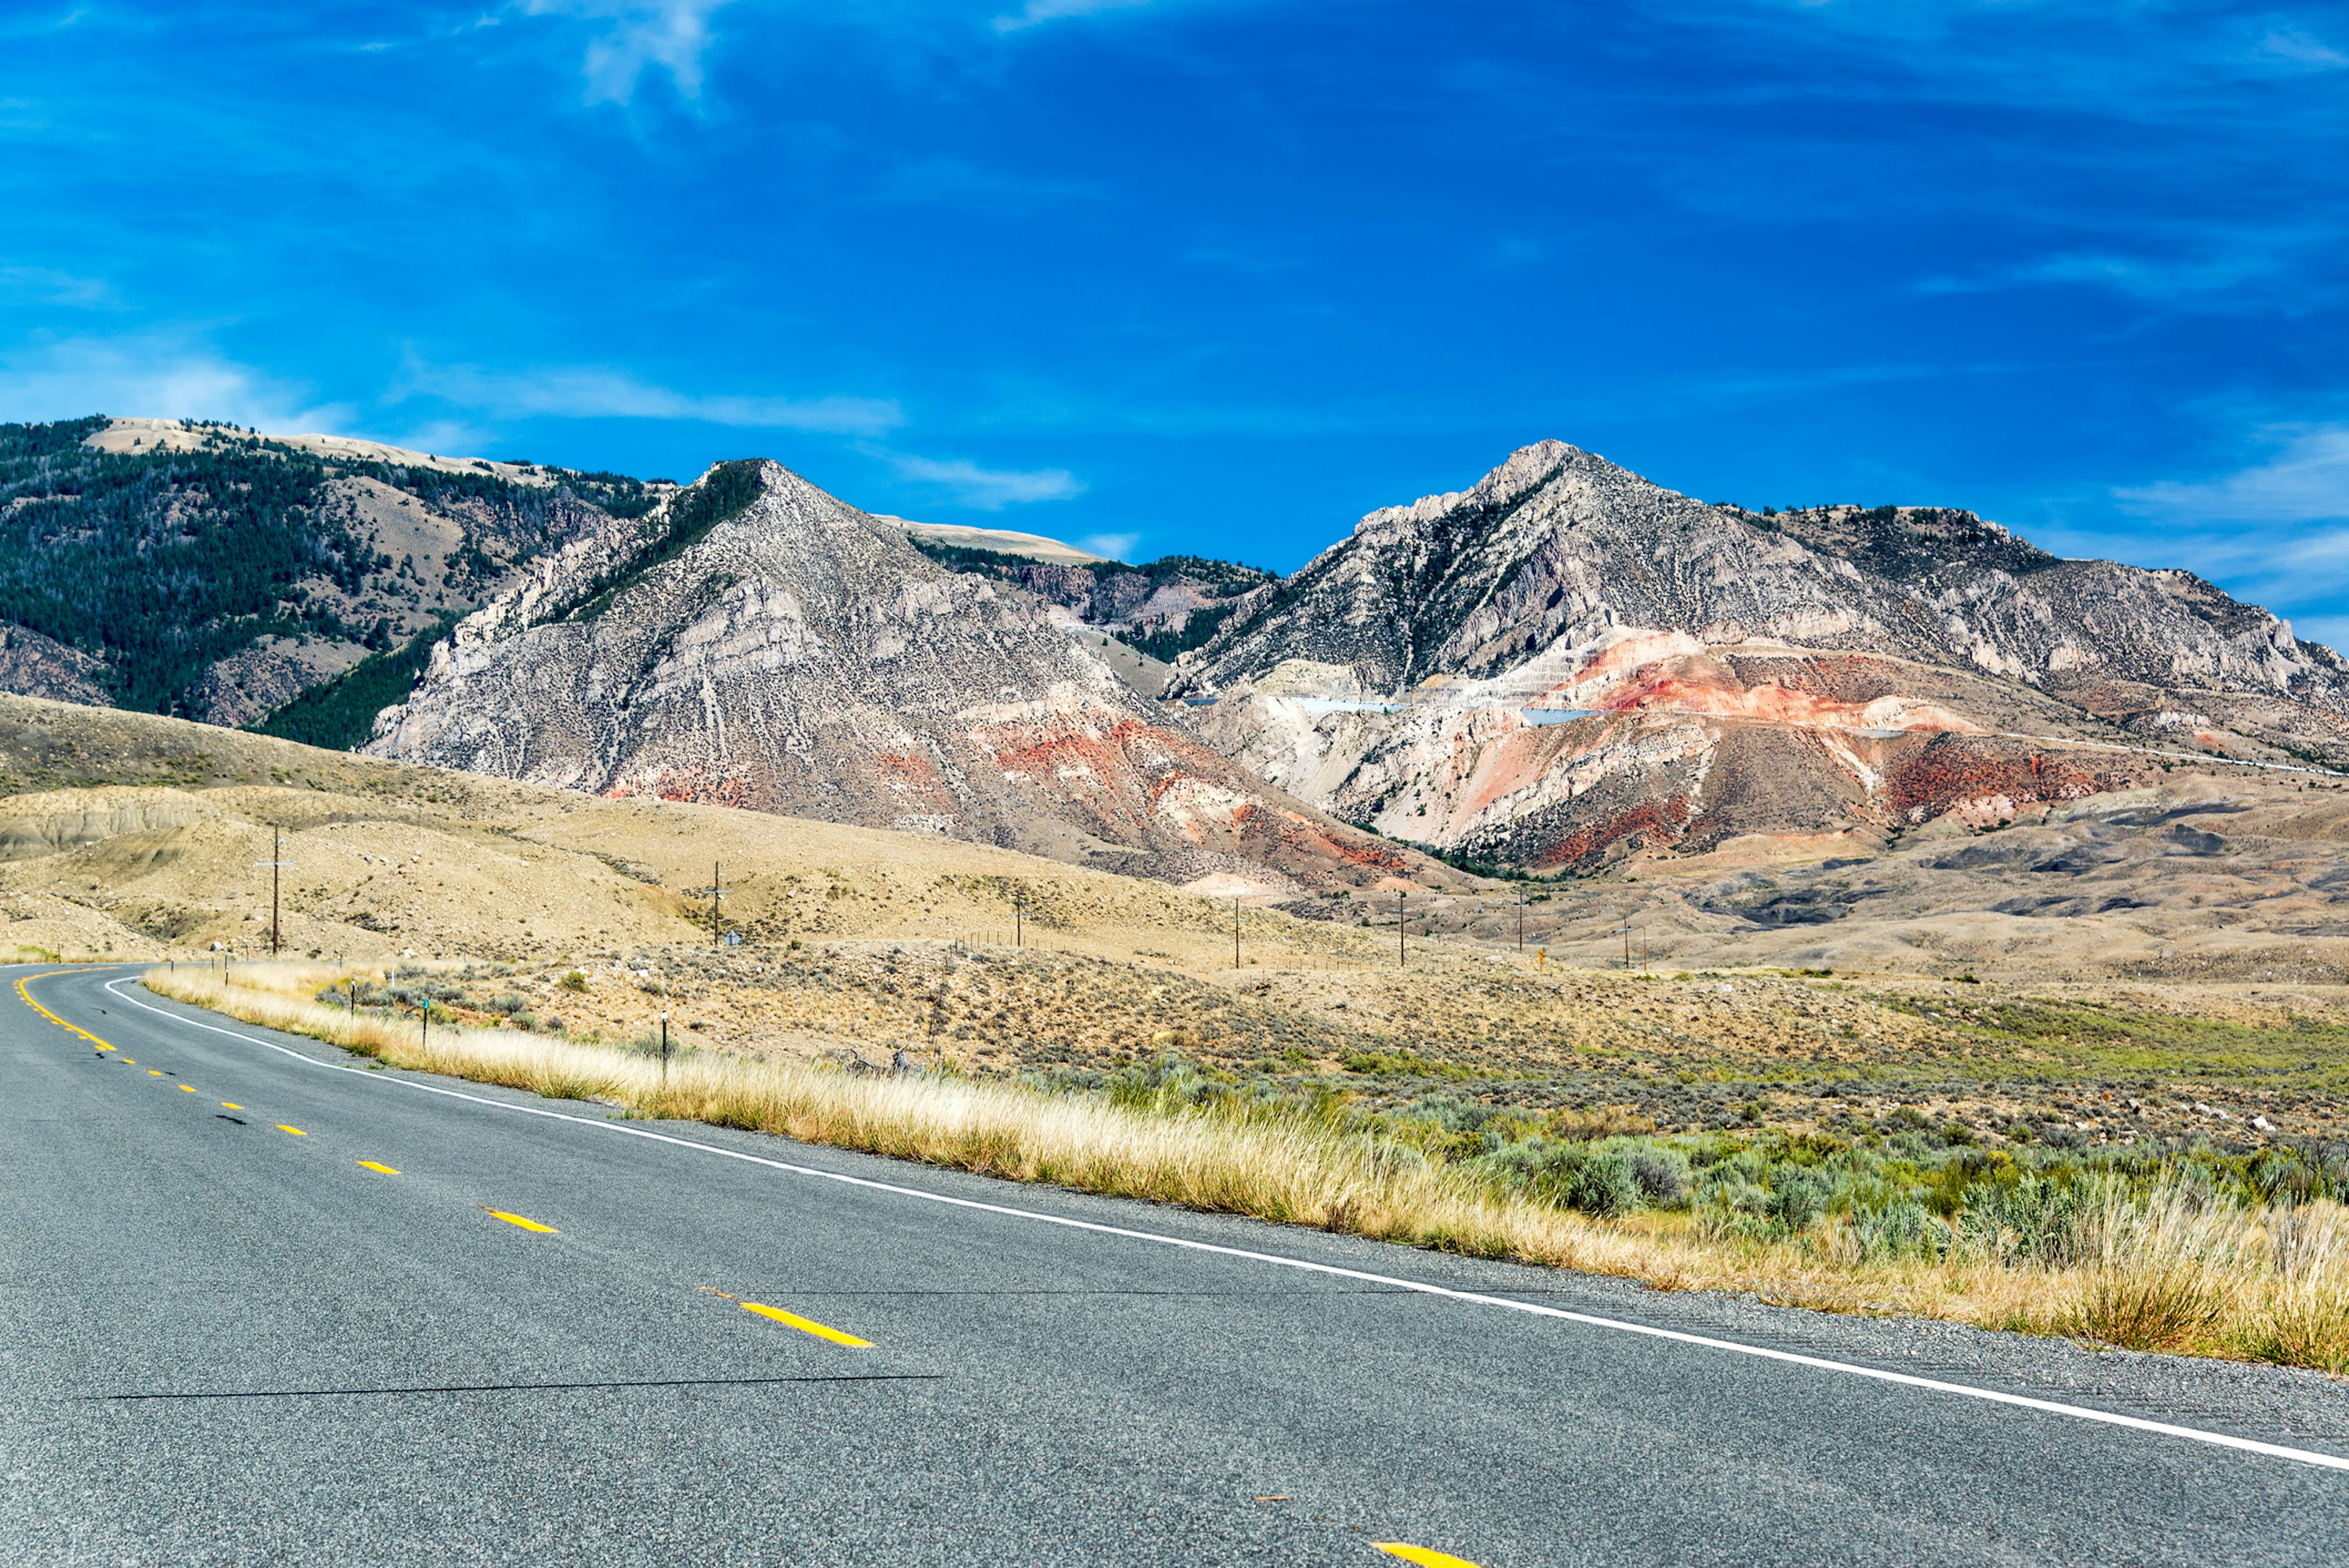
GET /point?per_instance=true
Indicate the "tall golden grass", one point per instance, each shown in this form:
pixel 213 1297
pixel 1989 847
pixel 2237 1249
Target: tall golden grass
pixel 2163 1269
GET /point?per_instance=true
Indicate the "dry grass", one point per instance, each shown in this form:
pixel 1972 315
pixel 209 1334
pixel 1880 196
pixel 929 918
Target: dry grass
pixel 2159 1269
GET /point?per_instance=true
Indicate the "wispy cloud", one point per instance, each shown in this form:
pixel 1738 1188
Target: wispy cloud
pixel 2302 48
pixel 45 286
pixel 1116 546
pixel 452 437
pixel 2275 531
pixel 589 392
pixel 984 490
pixel 2245 267
pixel 160 377
pixel 2174 63
pixel 2307 480
pixel 1036 13
pixel 638 36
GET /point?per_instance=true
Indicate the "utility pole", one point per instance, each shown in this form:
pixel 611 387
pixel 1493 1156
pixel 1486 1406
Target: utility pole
pixel 715 939
pixel 1521 919
pixel 1399 958
pixel 276 859
pixel 1235 933
pixel 664 1048
pixel 1019 922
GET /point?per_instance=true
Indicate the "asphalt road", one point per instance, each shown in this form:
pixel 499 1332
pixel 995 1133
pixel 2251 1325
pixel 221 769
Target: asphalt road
pixel 229 1342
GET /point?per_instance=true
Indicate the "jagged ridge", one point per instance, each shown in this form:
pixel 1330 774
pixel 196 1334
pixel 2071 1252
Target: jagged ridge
pixel 1563 583
pixel 801 657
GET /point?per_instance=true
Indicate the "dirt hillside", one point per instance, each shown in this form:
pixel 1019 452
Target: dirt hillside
pixel 2190 989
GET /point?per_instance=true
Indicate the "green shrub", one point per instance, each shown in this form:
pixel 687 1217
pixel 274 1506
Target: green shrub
pixel 1605 1184
pixel 1799 1197
pixel 1902 1228
pixel 1593 1179
pixel 2037 1220
pixel 1662 1173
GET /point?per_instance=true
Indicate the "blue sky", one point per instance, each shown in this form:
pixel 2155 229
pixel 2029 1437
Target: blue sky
pixel 1220 276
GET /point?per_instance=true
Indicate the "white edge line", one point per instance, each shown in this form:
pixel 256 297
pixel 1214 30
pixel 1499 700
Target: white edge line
pixel 1679 1336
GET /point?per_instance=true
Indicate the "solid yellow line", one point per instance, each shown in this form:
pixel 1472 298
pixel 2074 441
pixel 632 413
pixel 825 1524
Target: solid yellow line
pixel 1422 1555
pixel 806 1325
pixel 518 1220
pixel 52 1017
pixel 373 1165
pixel 295 1131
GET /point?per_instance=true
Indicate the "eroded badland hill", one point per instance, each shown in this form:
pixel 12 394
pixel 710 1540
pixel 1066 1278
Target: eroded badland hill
pixel 2191 983
pixel 1567 665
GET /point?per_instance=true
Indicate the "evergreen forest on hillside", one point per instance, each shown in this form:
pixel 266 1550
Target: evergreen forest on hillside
pixel 339 715
pixel 727 490
pixel 160 563
pixel 1097 591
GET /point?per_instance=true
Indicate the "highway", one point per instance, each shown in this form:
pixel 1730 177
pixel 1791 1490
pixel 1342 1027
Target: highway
pixel 267 1305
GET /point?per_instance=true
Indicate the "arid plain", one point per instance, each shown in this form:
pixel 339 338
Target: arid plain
pixel 2160 964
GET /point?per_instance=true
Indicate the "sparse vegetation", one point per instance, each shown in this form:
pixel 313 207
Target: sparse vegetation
pixel 727 490
pixel 1112 592
pixel 2201 1253
pixel 1169 643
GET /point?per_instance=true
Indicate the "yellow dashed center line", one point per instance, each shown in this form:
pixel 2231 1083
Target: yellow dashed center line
pixel 52 1017
pixel 805 1326
pixel 790 1320
pixel 1422 1555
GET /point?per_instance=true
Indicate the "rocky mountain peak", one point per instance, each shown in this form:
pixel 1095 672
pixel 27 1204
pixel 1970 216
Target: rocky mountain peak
pixel 1523 667
pixel 757 642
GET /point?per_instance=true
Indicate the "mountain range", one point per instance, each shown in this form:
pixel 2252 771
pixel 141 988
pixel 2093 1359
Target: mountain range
pixel 1559 667
pixel 1566 663
pixel 774 648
